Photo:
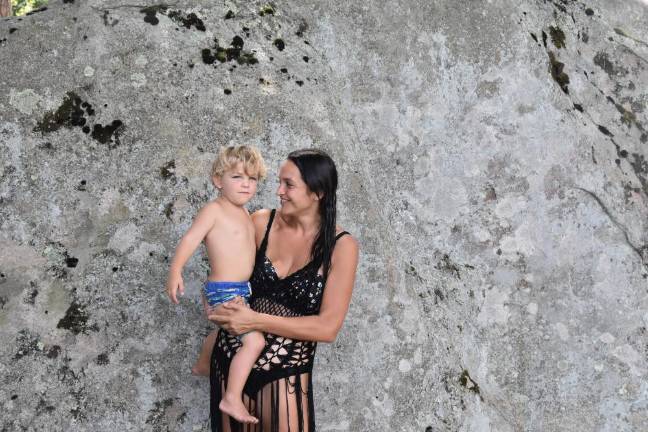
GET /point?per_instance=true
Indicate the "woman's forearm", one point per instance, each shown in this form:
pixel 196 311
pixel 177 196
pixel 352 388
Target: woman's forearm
pixel 311 328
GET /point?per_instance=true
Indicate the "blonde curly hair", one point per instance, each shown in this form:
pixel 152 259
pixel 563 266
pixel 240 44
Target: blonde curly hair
pixel 229 157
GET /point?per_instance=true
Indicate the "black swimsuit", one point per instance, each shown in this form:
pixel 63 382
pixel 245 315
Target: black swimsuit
pixel 283 370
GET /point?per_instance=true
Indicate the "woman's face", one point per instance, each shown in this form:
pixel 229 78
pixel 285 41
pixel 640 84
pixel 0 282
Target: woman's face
pixel 293 193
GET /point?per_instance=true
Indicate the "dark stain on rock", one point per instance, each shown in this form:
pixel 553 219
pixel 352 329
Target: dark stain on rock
pixel 76 319
pixel 535 38
pixel 603 61
pixel 105 134
pixel 69 114
pixel 578 107
pixel 43 407
pixel 280 44
pixel 150 13
pixel 31 298
pixel 589 12
pixel 74 112
pixel 156 414
pixel 188 20
pixel 303 26
pixel 605 131
pixel 227 91
pixel 411 271
pixel 639 165
pixel 557 37
pixel 305 58
pixel 71 262
pixel 447 265
pixel 53 351
pixel 229 14
pixel 81 186
pixel 491 194
pixel 557 72
pixel 438 294
pixel 168 210
pixel 106 15
pixel 11 30
pixel 299 83
pixel 167 171
pixel 585 37
pixel 233 52
pixel 27 344
pixel 628 117
pixel 57 272
pixel 207 56
pixel 3 302
pixel 629 191
pixel 102 359
pixel 544 39
pixel 468 383
pixel 268 9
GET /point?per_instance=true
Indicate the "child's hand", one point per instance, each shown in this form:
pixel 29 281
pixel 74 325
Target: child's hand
pixel 174 285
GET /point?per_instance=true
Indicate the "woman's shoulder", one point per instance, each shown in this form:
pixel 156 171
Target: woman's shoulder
pixel 344 237
pixel 261 217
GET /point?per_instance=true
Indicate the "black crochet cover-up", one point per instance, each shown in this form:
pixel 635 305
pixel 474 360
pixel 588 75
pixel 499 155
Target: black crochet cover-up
pixel 279 390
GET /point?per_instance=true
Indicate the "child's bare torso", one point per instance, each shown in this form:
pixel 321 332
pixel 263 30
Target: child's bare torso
pixel 230 243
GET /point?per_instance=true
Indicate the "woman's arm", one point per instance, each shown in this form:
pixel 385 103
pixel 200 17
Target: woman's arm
pixel 323 327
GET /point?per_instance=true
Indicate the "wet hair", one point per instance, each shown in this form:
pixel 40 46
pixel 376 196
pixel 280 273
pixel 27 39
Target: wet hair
pixel 318 171
pixel 229 157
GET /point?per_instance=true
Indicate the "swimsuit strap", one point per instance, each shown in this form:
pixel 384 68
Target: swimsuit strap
pixel 341 234
pixel 264 243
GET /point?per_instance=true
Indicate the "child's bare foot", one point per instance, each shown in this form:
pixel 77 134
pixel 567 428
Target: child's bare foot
pixel 200 369
pixel 233 407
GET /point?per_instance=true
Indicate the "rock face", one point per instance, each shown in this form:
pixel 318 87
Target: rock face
pixel 494 167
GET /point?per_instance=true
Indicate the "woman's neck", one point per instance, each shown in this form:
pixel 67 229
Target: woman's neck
pixel 307 223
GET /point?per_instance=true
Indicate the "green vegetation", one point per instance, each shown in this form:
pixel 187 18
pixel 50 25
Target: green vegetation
pixel 22 7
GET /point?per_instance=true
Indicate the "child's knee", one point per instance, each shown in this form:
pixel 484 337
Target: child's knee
pixel 254 339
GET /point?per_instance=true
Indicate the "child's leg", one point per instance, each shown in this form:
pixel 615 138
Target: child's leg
pixel 240 367
pixel 201 368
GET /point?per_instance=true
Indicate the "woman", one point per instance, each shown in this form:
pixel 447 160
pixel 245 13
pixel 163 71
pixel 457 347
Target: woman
pixel 301 288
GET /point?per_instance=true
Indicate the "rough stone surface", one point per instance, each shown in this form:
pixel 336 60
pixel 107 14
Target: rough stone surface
pixel 494 166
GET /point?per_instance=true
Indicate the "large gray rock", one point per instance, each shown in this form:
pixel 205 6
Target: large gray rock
pixel 493 161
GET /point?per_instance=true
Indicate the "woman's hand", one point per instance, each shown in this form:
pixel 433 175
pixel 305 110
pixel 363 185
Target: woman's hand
pixel 235 317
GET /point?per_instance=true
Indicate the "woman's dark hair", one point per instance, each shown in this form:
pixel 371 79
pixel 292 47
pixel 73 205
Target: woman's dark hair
pixel 320 175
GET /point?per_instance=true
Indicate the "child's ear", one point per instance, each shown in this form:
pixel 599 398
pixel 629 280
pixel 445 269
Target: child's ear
pixel 217 181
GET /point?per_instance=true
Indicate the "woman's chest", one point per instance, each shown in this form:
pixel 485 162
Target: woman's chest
pixel 300 291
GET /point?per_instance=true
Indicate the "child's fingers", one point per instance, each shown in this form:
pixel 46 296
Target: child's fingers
pixel 181 287
pixel 172 294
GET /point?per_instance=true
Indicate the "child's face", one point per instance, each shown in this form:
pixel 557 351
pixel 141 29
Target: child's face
pixel 236 185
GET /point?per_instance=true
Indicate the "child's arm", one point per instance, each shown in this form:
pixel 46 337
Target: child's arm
pixel 201 225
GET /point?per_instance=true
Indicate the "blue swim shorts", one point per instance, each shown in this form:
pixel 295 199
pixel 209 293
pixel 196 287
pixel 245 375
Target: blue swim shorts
pixel 221 292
